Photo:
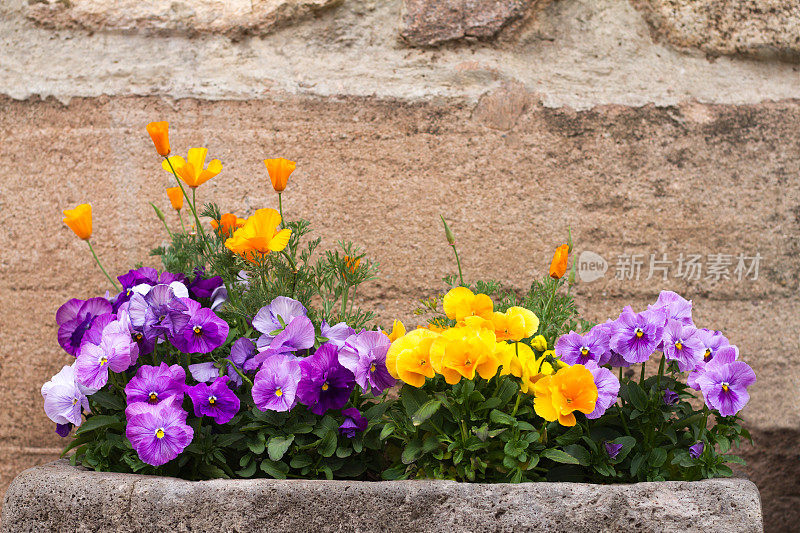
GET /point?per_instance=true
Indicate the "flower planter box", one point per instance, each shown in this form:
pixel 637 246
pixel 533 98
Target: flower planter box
pixel 59 497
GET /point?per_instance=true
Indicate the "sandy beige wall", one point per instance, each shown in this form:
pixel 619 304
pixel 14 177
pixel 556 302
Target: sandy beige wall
pixel 695 179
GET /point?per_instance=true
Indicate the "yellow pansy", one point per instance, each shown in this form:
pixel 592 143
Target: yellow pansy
pixel 398 330
pixel 515 324
pixel 570 389
pixel 408 357
pixel 539 343
pixel 461 302
pixel 463 352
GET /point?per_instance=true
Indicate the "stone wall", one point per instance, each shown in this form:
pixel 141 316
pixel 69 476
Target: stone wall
pixel 649 127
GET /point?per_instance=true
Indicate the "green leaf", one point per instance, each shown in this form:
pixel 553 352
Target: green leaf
pixel 636 463
pixel 490 403
pixel 499 417
pixel 724 471
pixel 394 473
pixel 657 457
pixel 327 447
pixel 559 456
pixel 734 459
pixel 100 421
pixel 580 453
pixel 637 396
pixel 412 399
pixel 427 410
pixel 572 436
pixel 300 461
pixel 387 430
pixel 277 446
pixel 107 400
pixel 248 471
pixel 225 440
pixel 411 452
pixel 274 469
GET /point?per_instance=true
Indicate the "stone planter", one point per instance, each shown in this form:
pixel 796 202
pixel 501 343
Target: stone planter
pixel 58 497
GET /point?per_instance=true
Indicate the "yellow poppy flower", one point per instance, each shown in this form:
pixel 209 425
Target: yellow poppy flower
pixel 191 169
pixel 463 352
pixel 570 389
pixel 159 133
pixel 279 171
pixel 79 220
pixel 460 302
pixel 259 236
pixel 408 358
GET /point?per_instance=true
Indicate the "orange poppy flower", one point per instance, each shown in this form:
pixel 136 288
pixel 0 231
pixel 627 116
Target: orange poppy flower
pixel 279 170
pixel 159 133
pixel 559 264
pixel 191 169
pixel 228 222
pixel 175 197
pixel 79 220
pixel 259 236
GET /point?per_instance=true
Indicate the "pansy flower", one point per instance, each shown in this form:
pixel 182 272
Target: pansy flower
pixel 670 397
pixel 353 423
pixel 724 382
pixel 154 384
pixel 215 400
pixel 613 449
pixel 676 307
pixel 95 360
pixel 203 331
pixel 607 389
pixel 712 341
pixel 275 385
pixel 364 354
pixel 159 312
pixel 325 383
pixel 64 399
pixel 158 433
pixel 574 348
pixel 74 319
pixel 637 335
pixel 338 333
pixel 202 287
pixel 243 351
pixel 272 318
pixel 696 450
pixel 682 344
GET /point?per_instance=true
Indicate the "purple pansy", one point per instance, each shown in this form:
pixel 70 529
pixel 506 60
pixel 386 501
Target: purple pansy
pixel 613 449
pixel 158 433
pixel 272 318
pixel 637 335
pixel 243 352
pixel 325 383
pixel 64 399
pixel 712 341
pixel 158 312
pixel 62 430
pixel 155 384
pixel 607 389
pixel 201 287
pixel 353 423
pixel 364 354
pixel 74 319
pixel 682 344
pixel 114 353
pixel 677 307
pixel 670 397
pixel 696 450
pixel 275 385
pixel 336 334
pixel 203 331
pixel 215 400
pixel 298 335
pixel 724 382
pixel 574 348
pixel 204 372
pixel 604 331
pixel 729 353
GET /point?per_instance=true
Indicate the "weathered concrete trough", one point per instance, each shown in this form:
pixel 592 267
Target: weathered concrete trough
pixel 59 497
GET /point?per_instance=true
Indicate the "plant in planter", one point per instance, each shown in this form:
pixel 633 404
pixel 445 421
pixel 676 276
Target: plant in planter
pixel 524 390
pixel 246 356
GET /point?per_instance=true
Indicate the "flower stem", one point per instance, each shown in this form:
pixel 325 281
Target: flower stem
pixel 180 217
pixel 116 288
pixel 660 373
pixel 641 376
pixel 280 208
pixel 200 230
pixel 458 262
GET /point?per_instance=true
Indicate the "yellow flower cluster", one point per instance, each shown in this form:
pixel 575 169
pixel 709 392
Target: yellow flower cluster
pixel 483 342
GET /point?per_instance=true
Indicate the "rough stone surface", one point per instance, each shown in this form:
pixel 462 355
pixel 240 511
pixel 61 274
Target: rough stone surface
pixel 432 22
pixel 231 18
pixel 764 29
pixel 576 53
pixel 58 497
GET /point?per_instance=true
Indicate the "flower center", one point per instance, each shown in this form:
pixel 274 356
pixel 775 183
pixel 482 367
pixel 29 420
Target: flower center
pixel 372 367
pixel 679 345
pixel 160 433
pixel 639 333
pixel 584 351
pixel 422 362
pixel 74 401
pixel 138 336
pixel 152 397
pixel 197 330
pixel 103 361
pixel 726 386
pixel 325 386
pixel 161 318
pixel 212 400
pixel 278 392
pixel 707 355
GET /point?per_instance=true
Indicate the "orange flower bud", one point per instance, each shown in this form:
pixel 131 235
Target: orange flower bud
pixel 159 132
pixel 352 264
pixel 559 264
pixel 279 171
pixel 175 197
pixel 79 220
pixel 227 223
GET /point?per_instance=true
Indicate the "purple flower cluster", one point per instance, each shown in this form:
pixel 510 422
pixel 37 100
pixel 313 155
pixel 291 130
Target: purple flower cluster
pixel 665 326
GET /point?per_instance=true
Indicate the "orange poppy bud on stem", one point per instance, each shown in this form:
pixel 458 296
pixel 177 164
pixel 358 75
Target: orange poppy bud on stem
pixel 79 220
pixel 159 133
pixel 175 196
pixel 558 266
pixel 451 240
